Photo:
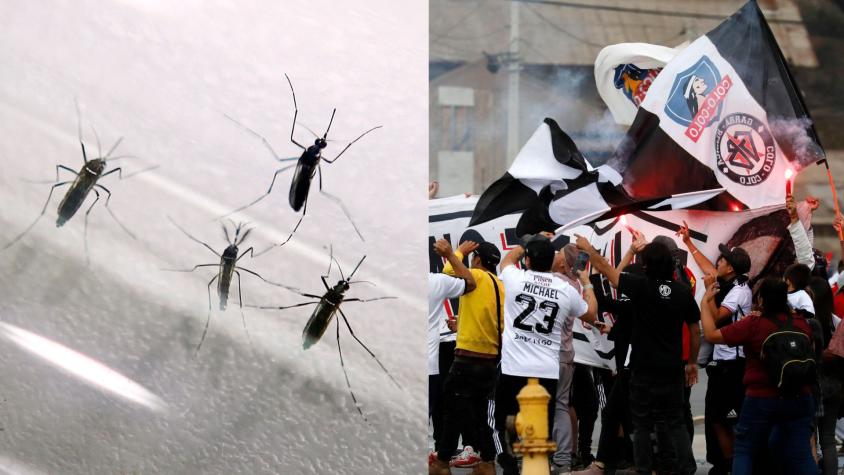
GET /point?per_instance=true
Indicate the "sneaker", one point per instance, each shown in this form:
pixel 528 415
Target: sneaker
pixel 593 469
pixel 560 470
pixel 439 467
pixel 467 458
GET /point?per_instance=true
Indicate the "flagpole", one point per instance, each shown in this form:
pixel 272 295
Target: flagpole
pixel 811 129
pixel 834 194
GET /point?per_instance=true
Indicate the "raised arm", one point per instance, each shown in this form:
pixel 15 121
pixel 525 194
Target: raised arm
pixel 443 249
pixel 597 260
pixel 802 246
pixel 702 262
pixel 512 257
pixel 639 243
pixel 463 249
pixel 708 311
pixel 589 295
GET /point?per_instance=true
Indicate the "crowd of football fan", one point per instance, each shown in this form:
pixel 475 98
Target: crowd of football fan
pixel 771 347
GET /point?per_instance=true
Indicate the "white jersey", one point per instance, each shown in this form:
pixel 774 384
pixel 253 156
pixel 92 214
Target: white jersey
pixel 738 301
pixel 537 305
pixel 440 287
pixel 800 300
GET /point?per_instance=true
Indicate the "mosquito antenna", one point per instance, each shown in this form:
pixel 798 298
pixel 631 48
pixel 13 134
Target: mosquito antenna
pixel 121 157
pixel 245 233
pixel 316 135
pixel 356 268
pixel 329 123
pixel 226 232
pixel 330 258
pixel 79 127
pixel 361 282
pixel 340 268
pixel 114 147
pixel 97 137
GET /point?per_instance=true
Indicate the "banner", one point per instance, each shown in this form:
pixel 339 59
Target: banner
pixel 762 233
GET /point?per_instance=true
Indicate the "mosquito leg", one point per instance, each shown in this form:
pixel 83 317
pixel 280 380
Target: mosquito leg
pixel 256 134
pixel 339 203
pixel 110 212
pixel 208 319
pixel 43 210
pixel 85 227
pixel 240 301
pixel 343 365
pixel 289 237
pixel 324 282
pixel 292 289
pixel 368 300
pixel 285 306
pixel 346 321
pixel 119 171
pixel 295 113
pixel 64 168
pixel 193 238
pixel 272 183
pixel 191 270
pixel 350 144
pixel 250 251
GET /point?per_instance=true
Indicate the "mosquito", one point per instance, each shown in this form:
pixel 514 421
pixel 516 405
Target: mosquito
pixel 227 267
pixel 308 164
pixel 86 181
pixel 327 305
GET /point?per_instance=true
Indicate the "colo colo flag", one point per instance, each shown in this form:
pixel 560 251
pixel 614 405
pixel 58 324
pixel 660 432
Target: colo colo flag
pixel 725 112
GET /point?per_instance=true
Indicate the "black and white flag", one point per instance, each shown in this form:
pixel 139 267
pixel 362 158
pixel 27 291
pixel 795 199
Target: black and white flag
pixel 555 186
pixel 725 112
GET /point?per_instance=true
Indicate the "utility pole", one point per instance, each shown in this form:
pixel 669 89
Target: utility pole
pixel 514 65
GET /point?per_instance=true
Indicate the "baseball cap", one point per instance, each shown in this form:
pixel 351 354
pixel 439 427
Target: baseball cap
pixel 489 254
pixel 736 257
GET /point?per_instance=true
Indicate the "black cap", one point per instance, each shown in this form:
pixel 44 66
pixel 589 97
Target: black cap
pixel 489 254
pixel 736 257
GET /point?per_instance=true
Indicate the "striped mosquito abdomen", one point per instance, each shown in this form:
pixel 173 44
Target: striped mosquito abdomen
pixel 79 190
pixel 321 318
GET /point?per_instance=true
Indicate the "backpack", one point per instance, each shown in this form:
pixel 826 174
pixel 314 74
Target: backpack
pixel 788 356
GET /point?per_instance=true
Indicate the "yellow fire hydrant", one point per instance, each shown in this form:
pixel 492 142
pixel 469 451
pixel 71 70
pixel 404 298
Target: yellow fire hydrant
pixel 532 426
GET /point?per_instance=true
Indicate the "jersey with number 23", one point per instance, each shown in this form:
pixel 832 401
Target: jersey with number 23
pixel 536 306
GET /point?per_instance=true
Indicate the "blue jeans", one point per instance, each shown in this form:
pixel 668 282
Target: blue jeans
pixel 788 420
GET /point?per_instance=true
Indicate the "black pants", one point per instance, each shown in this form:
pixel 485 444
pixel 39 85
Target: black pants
pixel 656 405
pixel 435 390
pixel 584 400
pixel 616 413
pixel 506 390
pixel 722 405
pixel 467 389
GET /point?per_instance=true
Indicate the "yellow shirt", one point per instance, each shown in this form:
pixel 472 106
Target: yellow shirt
pixel 476 327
